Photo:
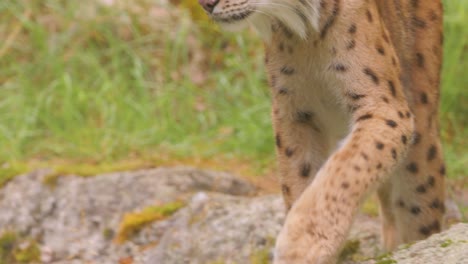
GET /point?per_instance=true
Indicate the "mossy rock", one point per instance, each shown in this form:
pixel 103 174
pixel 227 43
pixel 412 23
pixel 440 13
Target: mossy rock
pixel 134 222
pixel 17 249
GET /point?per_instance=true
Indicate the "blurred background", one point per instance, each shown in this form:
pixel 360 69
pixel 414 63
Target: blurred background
pixel 102 85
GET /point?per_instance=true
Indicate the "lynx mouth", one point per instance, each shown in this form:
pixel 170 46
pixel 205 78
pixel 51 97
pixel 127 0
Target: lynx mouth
pixel 232 18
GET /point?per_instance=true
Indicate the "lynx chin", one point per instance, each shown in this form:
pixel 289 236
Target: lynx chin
pixel 355 93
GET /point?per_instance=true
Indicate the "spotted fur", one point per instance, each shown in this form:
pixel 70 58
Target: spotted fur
pixel 355 90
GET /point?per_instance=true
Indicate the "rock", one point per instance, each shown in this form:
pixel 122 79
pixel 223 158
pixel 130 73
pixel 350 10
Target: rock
pixel 216 227
pixel 448 247
pixel 222 222
pixel 72 218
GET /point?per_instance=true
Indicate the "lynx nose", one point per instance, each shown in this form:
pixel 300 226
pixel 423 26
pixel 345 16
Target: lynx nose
pixel 208 5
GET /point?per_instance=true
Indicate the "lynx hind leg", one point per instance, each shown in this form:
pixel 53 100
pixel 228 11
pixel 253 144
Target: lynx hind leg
pixel 412 200
pixel 390 237
pixel 418 194
pixel 419 191
pixel 300 153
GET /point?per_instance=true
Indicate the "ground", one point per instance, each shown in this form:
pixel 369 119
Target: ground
pixel 202 215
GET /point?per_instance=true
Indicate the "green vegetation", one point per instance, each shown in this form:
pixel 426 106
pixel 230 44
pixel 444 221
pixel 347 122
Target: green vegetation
pixel 385 259
pixel 133 222
pixel 262 255
pixel 87 84
pixel 7 243
pixel 371 206
pixel 446 243
pixel 9 170
pixel 14 249
pixel 350 248
pixel 406 246
pixel 454 109
pixel 86 169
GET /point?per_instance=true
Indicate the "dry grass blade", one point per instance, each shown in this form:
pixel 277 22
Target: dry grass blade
pixel 14 34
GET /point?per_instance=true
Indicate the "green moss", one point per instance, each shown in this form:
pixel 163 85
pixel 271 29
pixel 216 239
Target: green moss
pixel 446 243
pixel 134 222
pixel 28 254
pixel 383 256
pixel 449 242
pixel 7 244
pixel 108 233
pixel 10 170
pixel 406 246
pixel 12 252
pixel 85 169
pixel 350 248
pixel 385 259
pixel 370 207
pixel 261 256
pixel 92 169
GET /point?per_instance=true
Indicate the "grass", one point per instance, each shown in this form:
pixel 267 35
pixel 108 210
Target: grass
pixel 454 108
pixel 88 84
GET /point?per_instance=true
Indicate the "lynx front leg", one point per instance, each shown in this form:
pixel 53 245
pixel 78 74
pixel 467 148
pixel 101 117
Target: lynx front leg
pixel 318 222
